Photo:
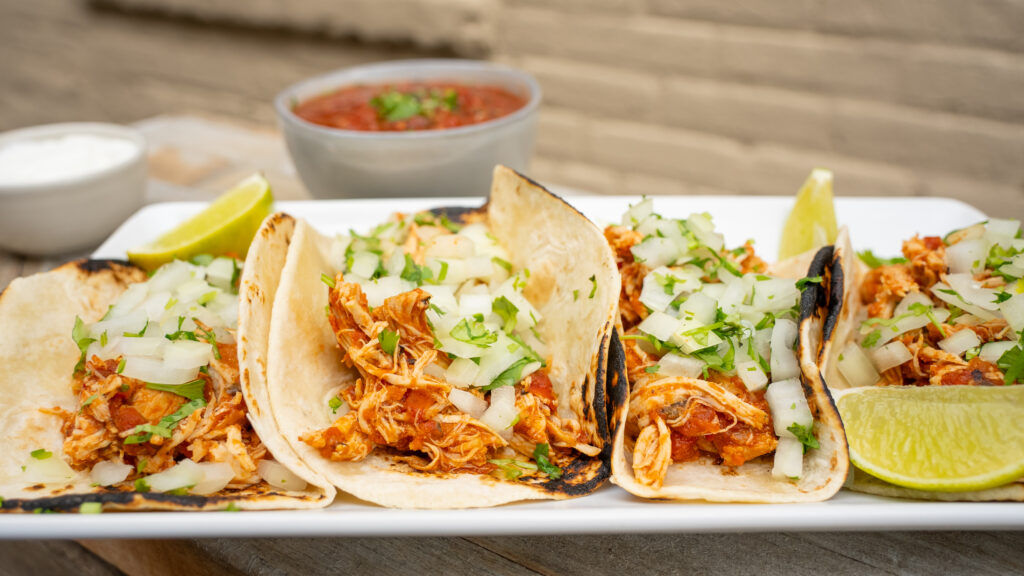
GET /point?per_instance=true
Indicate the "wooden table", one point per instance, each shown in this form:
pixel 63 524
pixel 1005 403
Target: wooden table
pixel 193 158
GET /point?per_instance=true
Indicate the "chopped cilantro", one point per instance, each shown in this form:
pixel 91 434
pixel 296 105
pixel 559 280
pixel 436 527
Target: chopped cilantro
pixel 473 331
pixel 334 403
pixel 141 485
pixel 1012 364
pixel 871 339
pixel 503 263
pixel 593 287
pixel 327 280
pixel 415 273
pixel 211 339
pixel 443 272
pixel 802 283
pixel 41 454
pixel 513 469
pixel 88 401
pixel 190 390
pixel 138 334
pixel 103 338
pixel 202 259
pixel 388 341
pixel 120 365
pixel 90 508
pixel 575 295
pixel 143 432
pixel 652 369
pixel 232 507
pixel 507 311
pixel 868 257
pixel 510 376
pixel 1003 297
pixel 540 455
pixel 140 466
pixel 80 334
pixel 920 309
pixel 805 434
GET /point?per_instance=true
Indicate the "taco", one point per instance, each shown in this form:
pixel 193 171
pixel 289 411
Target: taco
pixel 449 359
pixel 122 392
pixel 948 312
pixel 726 400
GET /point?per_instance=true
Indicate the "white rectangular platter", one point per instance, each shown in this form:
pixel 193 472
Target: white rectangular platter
pixel 879 224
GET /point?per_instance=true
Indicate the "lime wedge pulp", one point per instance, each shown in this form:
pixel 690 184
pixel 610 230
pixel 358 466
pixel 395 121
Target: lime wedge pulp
pixel 225 227
pixel 812 221
pixel 941 438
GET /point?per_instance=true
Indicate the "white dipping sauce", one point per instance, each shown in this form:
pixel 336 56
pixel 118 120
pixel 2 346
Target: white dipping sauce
pixel 48 160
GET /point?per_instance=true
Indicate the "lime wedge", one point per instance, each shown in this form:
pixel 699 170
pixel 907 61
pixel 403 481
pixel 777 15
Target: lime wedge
pixel 940 438
pixel 812 221
pixel 225 227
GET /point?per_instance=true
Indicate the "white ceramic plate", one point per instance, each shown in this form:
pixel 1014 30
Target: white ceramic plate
pixel 876 223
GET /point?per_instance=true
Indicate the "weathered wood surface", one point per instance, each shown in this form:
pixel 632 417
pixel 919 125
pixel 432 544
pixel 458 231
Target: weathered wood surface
pixel 791 554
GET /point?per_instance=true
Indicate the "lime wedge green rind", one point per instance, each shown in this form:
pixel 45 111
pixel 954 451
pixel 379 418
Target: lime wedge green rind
pixel 944 439
pixel 811 223
pixel 225 227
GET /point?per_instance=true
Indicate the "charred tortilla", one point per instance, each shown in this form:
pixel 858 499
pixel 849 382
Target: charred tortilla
pixel 565 254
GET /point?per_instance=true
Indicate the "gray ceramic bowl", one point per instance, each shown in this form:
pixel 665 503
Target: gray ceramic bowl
pixel 71 213
pixel 452 162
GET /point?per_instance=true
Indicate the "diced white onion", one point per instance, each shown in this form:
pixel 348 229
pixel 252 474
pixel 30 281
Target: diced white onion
pixel 152 370
pixel 497 359
pixel 364 264
pixel 337 254
pixel 195 290
pixel 889 356
pixel 789 459
pixel 109 472
pixel 377 291
pixel 972 292
pixel 52 470
pixel 673 364
pixel 938 290
pixel 480 267
pixel 788 405
pixel 130 299
pixel 993 351
pixel 461 372
pixel 187 354
pixel 471 304
pixel 909 300
pixel 966 256
pixel 775 295
pixel 752 375
pixel 655 251
pixel 280 477
pixel 442 296
pixel 690 343
pixel 1002 232
pixel 638 212
pixel 783 361
pixel 184 474
pixel 450 246
pixel 1013 312
pixel 170 276
pixel 216 476
pixel 704 229
pixel 502 411
pixel 660 325
pixel 960 342
pixel 131 322
pixel 468 402
pixel 698 307
pixel 856 367
pixel 143 346
pixel 220 272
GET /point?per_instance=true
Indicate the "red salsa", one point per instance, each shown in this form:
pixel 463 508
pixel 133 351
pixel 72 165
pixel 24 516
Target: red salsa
pixel 408 106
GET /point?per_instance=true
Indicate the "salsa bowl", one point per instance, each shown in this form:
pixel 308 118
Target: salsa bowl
pixel 341 163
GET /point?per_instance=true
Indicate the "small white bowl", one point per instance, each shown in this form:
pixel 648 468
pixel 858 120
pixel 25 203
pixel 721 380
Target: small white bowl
pixel 336 163
pixel 76 212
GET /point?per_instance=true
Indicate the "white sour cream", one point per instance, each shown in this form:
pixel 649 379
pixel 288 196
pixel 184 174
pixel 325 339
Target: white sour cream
pixel 48 160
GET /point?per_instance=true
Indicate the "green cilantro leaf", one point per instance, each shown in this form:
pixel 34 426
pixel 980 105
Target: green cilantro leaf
pixel 802 283
pixel 871 339
pixel 334 403
pixel 503 263
pixel 512 468
pixel 507 311
pixel 90 508
pixel 652 369
pixel 805 434
pixel 473 331
pixel 593 287
pixel 141 485
pixel 143 432
pixel 540 455
pixel 388 341
pixel 415 273
pixel 1012 364
pixel 138 334
pixel 868 257
pixel 88 401
pixel 190 390
pixel 80 334
pixel 510 376
pixel 327 280
pixel 41 454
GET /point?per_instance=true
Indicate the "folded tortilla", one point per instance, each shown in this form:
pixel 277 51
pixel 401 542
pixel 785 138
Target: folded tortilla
pixel 37 314
pixel 562 250
pixel 824 468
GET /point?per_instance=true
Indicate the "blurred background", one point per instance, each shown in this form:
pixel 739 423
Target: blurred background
pixel 909 97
